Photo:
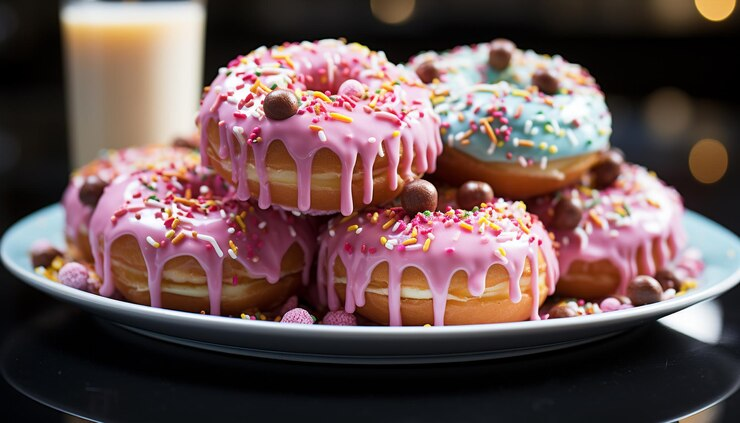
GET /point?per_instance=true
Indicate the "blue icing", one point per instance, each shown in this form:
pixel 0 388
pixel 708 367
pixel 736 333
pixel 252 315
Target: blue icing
pixel 528 126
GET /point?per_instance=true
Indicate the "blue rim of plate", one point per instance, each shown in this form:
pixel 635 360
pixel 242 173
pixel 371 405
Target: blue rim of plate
pixel 14 247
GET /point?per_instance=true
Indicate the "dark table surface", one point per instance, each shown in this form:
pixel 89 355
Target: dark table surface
pixel 59 363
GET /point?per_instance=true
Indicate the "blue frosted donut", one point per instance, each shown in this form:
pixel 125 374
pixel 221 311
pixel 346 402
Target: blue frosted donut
pixel 525 123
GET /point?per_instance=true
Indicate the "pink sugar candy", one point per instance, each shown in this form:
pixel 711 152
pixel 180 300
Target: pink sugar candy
pixel 352 88
pixel 610 304
pixel 74 275
pixel 297 315
pixel 340 318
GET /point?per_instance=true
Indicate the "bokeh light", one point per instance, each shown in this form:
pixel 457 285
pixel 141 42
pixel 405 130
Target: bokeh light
pixel 674 15
pixel 669 113
pixel 708 161
pixel 392 12
pixel 715 10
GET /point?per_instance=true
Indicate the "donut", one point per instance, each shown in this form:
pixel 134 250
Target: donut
pixel 494 263
pixel 607 236
pixel 318 127
pixel 527 124
pixel 87 184
pixel 176 237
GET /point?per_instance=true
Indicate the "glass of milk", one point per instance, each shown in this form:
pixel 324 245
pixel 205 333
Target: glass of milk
pixel 134 72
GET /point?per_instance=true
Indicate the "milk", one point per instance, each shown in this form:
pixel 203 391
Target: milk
pixel 133 71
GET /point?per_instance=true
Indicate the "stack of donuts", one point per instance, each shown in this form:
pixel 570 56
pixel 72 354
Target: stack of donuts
pixel 308 201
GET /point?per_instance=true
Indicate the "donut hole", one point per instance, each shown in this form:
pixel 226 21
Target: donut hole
pixel 329 71
pixel 319 78
pixel 184 283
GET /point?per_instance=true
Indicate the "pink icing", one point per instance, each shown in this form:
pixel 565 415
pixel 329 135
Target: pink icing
pixel 501 233
pixel 393 114
pixel 76 214
pixel 146 204
pixel 638 210
pixel 111 164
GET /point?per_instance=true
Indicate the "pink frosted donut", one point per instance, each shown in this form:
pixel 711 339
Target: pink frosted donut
pixel 492 264
pixel 318 127
pixel 607 237
pixel 176 237
pixel 87 183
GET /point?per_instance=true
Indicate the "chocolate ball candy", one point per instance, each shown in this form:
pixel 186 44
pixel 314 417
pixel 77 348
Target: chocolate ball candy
pixel 546 81
pixel 562 310
pixel 604 173
pixel 668 280
pixel 500 53
pixel 427 72
pixel 643 290
pixel 92 190
pixel 419 196
pixel 473 193
pixel 280 104
pixel 43 253
pixel 567 215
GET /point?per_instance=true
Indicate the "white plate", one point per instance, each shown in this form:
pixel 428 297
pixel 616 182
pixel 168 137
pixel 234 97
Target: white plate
pixel 371 345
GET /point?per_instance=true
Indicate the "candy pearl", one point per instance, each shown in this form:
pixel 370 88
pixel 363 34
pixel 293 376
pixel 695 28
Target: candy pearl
pixel 91 190
pixel 473 193
pixel 339 318
pixel 74 275
pixel 500 54
pixel 607 171
pixel 562 310
pixel 668 280
pixel 546 81
pixel 610 304
pixel 567 215
pixel 43 253
pixel 427 72
pixel 644 290
pixel 352 88
pixel 280 104
pixel 418 196
pixel 297 315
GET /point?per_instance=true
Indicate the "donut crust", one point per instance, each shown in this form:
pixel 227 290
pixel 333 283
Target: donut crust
pixel 511 180
pixel 601 278
pixel 465 309
pixel 184 284
pixel 325 176
pixel 79 248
